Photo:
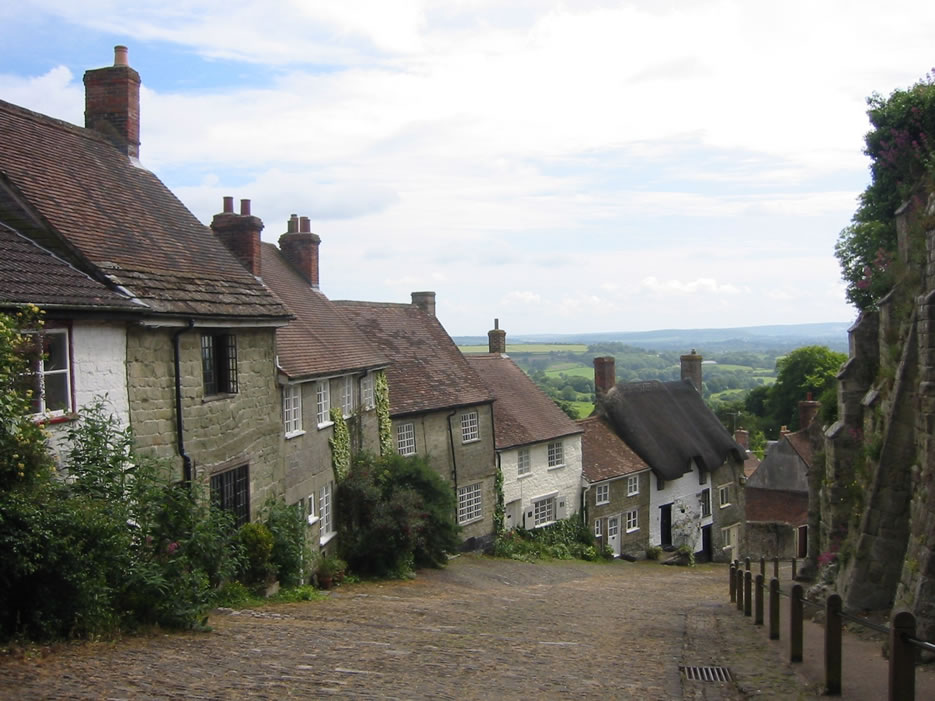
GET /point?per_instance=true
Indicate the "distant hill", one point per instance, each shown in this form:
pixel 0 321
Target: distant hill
pixel 753 338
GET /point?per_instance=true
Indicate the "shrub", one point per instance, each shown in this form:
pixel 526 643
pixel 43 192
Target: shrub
pixel 257 542
pixel 289 556
pixel 653 552
pixel 563 540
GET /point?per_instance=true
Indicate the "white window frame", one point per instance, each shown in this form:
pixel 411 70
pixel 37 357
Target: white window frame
pixel 470 427
pixel 705 499
pixel 613 527
pixel 326 513
pixel 556 455
pixel 470 503
pixel 633 485
pixel 292 410
pixel 366 391
pixel 312 506
pixel 323 403
pixel 347 396
pixel 544 511
pixel 598 528
pixel 723 495
pixel 40 373
pixel 523 462
pixel 727 536
pixel 406 439
pixel 602 494
pixel 632 520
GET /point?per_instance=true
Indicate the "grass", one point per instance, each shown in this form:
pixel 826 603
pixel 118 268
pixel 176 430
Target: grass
pixel 584 409
pixel 571 370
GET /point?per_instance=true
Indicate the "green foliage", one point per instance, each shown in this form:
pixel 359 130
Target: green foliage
pixel 340 443
pixel 901 146
pixel 499 510
pixel 290 554
pixel 257 543
pixel 687 554
pixel 381 400
pixel 394 513
pixel 810 369
pixel 567 539
pixel 653 552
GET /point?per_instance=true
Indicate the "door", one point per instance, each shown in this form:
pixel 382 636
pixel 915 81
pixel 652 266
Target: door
pixel 613 534
pixel 706 551
pixel 512 515
pixel 665 525
pixel 802 549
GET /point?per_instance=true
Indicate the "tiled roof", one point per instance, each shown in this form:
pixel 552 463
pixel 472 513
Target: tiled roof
pixel 522 413
pixel 604 455
pixel 776 506
pixel 320 340
pixel 750 464
pixel 427 372
pixel 802 445
pixel 30 274
pixel 121 218
pixel 669 426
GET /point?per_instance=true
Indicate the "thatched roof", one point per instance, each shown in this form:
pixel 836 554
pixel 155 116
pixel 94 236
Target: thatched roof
pixel 668 425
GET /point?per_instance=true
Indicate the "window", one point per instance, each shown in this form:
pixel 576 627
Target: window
pixel 523 464
pixel 469 430
pixel 633 520
pixel 292 409
pixel 705 502
pixel 230 491
pixel 323 401
pixel 470 507
pixel 727 536
pixel 633 485
pixel 723 493
pixel 219 363
pixel 543 511
pixel 366 391
pixel 602 495
pixel 597 528
pixel 556 454
pixel 325 515
pixel 613 527
pixel 51 385
pixel 347 396
pixel 310 510
pixel 406 439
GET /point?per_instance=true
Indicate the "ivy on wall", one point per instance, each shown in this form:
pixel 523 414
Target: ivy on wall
pixel 381 400
pixel 499 511
pixel 340 443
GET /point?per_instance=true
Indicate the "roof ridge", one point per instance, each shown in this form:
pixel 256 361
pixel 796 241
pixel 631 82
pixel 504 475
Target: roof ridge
pixel 54 122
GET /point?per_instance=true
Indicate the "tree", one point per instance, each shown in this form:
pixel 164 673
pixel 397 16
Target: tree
pixel 901 146
pixel 807 370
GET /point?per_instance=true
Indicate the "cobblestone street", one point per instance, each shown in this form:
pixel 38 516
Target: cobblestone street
pixel 482 628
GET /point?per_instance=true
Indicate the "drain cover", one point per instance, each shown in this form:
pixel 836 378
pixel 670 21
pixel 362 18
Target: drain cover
pixel 706 674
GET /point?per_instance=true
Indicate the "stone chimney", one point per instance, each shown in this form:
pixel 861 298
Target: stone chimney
pixel 299 246
pixel 808 410
pixel 784 431
pixel 605 375
pixel 691 369
pixel 742 438
pixel 496 338
pixel 240 233
pixel 424 301
pixel 112 103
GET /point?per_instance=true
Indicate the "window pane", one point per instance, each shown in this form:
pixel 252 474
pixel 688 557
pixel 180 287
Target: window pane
pixel 56 391
pixel 55 348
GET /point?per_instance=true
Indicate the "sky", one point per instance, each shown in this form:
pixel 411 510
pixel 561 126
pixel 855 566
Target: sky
pixel 566 167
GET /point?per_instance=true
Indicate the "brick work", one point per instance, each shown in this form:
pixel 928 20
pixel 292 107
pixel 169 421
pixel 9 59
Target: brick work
pixel 240 233
pixel 299 247
pixel 112 104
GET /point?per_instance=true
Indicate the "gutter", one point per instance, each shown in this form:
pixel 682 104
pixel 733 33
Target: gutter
pixel 179 422
pixel 454 460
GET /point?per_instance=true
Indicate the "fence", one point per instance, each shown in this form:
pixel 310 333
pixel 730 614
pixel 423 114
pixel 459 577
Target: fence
pixel 747 591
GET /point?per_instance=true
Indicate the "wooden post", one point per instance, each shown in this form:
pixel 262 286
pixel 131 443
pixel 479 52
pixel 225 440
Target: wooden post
pixel 740 590
pixel 833 625
pixel 746 564
pixel 763 565
pixel 758 601
pixel 795 624
pixel 776 567
pixel 902 670
pixel 794 567
pixel 733 582
pixel 747 581
pixel 774 608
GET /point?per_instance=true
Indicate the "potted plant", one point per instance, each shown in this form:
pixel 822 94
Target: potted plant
pixel 329 570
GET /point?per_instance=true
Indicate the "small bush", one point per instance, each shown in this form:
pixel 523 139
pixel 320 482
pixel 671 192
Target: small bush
pixel 289 556
pixel 257 542
pixel 653 552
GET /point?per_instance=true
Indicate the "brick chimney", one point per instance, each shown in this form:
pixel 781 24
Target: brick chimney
pixel 496 338
pixel 112 103
pixel 808 410
pixel 424 301
pixel 299 246
pixel 691 369
pixel 742 438
pixel 605 375
pixel 240 233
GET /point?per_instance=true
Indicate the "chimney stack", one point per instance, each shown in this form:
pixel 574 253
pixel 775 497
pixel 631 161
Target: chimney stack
pixel 742 438
pixel 240 233
pixel 691 369
pixel 605 375
pixel 112 103
pixel 808 410
pixel 424 301
pixel 299 247
pixel 496 338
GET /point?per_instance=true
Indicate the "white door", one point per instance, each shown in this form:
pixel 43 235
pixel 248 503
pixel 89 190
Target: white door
pixel 512 515
pixel 613 533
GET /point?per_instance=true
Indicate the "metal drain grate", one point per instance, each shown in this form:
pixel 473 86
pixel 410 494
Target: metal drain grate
pixel 706 674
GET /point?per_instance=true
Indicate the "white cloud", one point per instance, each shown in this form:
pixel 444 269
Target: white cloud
pixel 521 297
pixel 678 287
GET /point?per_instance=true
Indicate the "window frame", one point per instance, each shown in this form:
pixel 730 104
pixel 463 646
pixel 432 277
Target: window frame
pixel 230 490
pixel 633 485
pixel 632 519
pixel 523 458
pixel 292 410
pixel 556 453
pixel 602 488
pixel 219 363
pixel 410 428
pixel 722 490
pixel 470 427
pixel 367 400
pixel 326 527
pixel 598 528
pixel 39 373
pixel 705 499
pixel 470 503
pixel 542 509
pixel 323 403
pixel 347 397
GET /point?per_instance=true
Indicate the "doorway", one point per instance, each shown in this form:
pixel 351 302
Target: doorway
pixel 665 525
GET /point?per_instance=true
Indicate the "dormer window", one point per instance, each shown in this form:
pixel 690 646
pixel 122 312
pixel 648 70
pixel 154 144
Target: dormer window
pixel 219 363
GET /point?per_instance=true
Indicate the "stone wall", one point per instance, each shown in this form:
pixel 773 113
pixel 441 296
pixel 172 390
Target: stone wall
pixel 634 543
pixel 541 480
pixel 221 431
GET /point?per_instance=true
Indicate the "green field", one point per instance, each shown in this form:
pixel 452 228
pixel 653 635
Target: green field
pixel 532 348
pixel 570 370
pixel 584 409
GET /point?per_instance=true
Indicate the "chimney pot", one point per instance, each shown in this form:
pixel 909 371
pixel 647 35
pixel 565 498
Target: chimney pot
pixel 299 247
pixel 112 103
pixel 305 226
pixel 120 56
pixel 808 410
pixel 244 208
pixel 496 339
pixel 292 226
pixel 228 205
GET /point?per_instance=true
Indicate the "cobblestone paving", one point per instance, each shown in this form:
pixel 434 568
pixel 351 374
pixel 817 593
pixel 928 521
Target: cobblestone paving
pixel 481 628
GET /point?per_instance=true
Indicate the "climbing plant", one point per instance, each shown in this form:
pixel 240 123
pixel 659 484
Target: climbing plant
pixel 499 510
pixel 340 443
pixel 381 399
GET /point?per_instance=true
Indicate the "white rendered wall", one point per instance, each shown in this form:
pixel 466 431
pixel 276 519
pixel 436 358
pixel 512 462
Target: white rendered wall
pixel 683 493
pixel 564 482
